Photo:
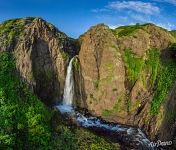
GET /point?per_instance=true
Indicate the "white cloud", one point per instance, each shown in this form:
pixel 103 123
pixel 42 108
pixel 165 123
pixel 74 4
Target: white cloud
pixel 100 10
pixel 167 26
pixel 119 13
pixel 138 17
pixel 138 6
pixel 167 1
pixel 115 26
pixel 119 25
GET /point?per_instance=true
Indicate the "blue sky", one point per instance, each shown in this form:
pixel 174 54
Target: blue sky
pixel 74 17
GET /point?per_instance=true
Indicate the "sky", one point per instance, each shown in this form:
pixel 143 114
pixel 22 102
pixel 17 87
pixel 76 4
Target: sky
pixel 74 17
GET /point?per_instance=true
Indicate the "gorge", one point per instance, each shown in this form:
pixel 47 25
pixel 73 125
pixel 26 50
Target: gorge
pixel 117 83
pixel 133 136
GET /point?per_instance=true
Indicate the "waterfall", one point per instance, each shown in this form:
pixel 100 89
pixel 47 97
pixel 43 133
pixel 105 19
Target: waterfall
pixel 128 134
pixel 69 85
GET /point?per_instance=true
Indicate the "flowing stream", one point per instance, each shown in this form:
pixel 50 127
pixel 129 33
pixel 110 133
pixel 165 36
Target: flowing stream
pixel 131 136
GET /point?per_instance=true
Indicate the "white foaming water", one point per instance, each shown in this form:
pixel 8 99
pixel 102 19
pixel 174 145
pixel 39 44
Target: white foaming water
pixel 69 86
pixel 65 108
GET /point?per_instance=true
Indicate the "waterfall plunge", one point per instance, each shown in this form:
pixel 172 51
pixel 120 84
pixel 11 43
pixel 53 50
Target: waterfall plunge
pixel 133 134
pixel 69 85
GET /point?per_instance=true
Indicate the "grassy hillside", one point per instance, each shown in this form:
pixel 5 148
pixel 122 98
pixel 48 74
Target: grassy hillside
pixel 129 30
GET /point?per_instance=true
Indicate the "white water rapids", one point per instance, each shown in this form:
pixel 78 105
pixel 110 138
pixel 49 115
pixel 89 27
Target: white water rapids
pixel 132 133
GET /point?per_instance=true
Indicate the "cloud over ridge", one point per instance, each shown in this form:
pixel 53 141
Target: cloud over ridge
pixel 138 6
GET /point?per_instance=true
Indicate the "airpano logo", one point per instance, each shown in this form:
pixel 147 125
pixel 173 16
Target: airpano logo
pixel 162 143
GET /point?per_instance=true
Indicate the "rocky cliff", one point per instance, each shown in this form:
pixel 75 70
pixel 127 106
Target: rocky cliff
pixel 124 75
pixel 102 69
pixel 128 73
pixel 42 53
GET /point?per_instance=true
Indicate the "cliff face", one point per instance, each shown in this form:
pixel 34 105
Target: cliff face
pixel 42 53
pixel 125 77
pixel 102 69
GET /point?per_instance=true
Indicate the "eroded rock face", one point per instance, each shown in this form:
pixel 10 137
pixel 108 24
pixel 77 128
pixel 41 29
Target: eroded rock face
pixel 42 54
pixel 80 98
pixel 150 36
pixel 140 94
pixel 108 90
pixel 102 69
pixel 167 130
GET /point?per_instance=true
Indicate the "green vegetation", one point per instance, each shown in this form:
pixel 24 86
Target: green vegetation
pixel 165 79
pixel 127 30
pixel 72 138
pixel 24 119
pixel 96 83
pixel 88 141
pixel 173 32
pixel 76 64
pixel 134 65
pixel 26 123
pixel 130 30
pixel 109 77
pixel 65 56
pixel 162 74
pixel 115 47
pixel 49 74
pixel 107 113
pixel 12 29
pixel 152 64
pixel 115 110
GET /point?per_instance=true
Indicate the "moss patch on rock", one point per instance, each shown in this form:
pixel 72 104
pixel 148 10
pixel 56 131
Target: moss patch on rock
pixel 152 64
pixel 134 65
pixel 115 110
pixel 162 74
pixel 76 64
pixel 65 55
